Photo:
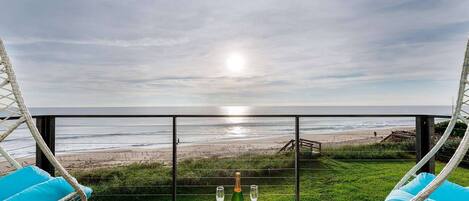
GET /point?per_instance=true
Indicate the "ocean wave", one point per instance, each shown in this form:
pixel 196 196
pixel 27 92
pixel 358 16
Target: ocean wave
pixel 133 134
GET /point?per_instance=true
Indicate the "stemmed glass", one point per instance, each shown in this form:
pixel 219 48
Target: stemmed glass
pixel 220 193
pixel 254 192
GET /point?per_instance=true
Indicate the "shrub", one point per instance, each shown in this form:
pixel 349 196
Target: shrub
pixel 447 151
pixel 458 130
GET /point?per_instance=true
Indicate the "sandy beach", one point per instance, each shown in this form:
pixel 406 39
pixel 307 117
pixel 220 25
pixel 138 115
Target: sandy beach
pixel 118 157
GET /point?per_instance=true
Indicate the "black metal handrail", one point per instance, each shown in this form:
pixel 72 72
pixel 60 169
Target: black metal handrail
pixel 424 131
pixel 235 115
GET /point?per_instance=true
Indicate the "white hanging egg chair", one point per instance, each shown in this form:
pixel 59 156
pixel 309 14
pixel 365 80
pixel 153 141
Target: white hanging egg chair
pixel 426 186
pixel 30 182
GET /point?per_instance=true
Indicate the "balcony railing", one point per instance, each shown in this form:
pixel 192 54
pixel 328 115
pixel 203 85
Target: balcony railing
pixel 424 125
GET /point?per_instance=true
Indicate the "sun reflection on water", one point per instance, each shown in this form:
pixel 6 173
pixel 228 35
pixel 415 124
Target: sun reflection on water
pixel 234 128
pixel 237 131
pixel 235 110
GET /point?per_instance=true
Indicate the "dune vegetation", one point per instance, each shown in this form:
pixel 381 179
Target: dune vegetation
pixel 365 172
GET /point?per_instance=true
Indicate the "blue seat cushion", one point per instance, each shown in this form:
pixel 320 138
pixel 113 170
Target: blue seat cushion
pixel 400 195
pixel 20 180
pixel 52 190
pixel 446 192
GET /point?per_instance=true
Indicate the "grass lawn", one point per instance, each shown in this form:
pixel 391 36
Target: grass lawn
pixel 360 180
pixel 330 177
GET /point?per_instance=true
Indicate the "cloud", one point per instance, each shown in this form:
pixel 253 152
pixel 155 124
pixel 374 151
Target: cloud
pixel 157 53
pixel 144 42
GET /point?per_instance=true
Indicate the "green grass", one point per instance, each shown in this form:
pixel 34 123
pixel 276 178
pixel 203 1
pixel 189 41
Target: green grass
pixel 402 150
pixel 348 173
pixel 202 175
pixel 360 180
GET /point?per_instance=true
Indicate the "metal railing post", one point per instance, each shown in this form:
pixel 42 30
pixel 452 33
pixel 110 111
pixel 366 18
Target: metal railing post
pixel 425 128
pixel 46 126
pixel 297 158
pixel 174 172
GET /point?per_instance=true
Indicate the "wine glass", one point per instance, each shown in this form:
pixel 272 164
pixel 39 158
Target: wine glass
pixel 220 193
pixel 254 192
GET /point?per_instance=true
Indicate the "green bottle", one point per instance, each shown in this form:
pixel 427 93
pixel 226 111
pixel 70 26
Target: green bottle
pixel 237 194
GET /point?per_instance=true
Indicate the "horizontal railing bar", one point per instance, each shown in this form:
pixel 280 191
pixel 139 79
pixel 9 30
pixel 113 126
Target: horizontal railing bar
pixel 302 160
pixel 18 148
pixel 151 195
pixel 230 194
pixel 108 178
pixel 132 195
pixel 270 194
pixel 273 169
pixel 380 151
pixel 246 115
pixel 221 116
pixel 192 186
pixel 119 143
pixel 232 177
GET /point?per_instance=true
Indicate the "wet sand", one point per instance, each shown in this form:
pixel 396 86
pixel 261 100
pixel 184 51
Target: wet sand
pixel 225 148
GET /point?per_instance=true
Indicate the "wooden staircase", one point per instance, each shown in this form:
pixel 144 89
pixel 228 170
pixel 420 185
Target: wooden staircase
pixel 314 146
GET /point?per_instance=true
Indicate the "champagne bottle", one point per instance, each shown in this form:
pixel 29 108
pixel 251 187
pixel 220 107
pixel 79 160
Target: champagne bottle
pixel 237 194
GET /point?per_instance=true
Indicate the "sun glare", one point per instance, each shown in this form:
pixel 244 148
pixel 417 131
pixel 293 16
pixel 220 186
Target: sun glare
pixel 235 110
pixel 235 62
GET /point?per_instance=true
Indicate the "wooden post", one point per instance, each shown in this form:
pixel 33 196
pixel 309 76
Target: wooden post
pixel 46 126
pixel 424 131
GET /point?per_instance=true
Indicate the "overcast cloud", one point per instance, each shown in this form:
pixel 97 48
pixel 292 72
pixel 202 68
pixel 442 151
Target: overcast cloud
pixel 161 53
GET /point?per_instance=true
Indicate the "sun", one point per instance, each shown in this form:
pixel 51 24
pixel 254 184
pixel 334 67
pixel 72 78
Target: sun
pixel 235 62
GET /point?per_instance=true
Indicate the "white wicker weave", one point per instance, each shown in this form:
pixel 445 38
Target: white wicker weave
pixel 460 113
pixel 12 105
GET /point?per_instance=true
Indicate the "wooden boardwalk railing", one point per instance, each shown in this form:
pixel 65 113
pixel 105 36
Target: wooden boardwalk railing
pixel 314 146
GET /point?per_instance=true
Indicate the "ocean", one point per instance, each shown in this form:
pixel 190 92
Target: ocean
pixel 91 134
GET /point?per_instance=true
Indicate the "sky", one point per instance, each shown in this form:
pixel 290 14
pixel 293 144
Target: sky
pixel 108 53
